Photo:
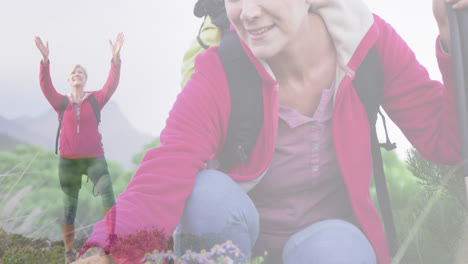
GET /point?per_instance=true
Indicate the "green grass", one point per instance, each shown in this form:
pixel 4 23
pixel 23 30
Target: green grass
pixel 17 249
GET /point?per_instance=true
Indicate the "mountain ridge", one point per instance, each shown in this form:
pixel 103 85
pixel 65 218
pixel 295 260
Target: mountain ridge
pixel 119 138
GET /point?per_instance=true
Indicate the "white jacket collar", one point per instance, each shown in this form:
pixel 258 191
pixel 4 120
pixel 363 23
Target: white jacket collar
pixel 347 21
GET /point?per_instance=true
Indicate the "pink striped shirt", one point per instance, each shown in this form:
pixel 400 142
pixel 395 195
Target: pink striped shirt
pixel 303 184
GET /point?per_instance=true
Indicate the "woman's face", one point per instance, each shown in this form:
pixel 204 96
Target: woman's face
pixel 77 77
pixel 268 26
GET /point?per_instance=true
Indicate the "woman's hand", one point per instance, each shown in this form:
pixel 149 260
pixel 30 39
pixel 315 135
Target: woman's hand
pixel 440 14
pixel 44 49
pixel 117 45
pixel 101 259
pixel 94 255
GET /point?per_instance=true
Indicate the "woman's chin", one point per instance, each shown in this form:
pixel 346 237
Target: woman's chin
pixel 262 53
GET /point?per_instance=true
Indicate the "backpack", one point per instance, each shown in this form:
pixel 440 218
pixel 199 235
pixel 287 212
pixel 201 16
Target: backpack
pixel 246 117
pixel 63 105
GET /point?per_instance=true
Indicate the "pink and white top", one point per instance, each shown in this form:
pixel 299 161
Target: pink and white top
pixel 303 184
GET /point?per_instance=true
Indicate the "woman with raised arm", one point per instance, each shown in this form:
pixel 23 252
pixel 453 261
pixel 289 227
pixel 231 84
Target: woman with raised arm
pixel 81 150
pixel 303 190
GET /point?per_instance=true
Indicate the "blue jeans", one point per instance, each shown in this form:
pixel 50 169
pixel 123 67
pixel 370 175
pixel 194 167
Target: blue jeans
pixel 219 210
pixel 332 241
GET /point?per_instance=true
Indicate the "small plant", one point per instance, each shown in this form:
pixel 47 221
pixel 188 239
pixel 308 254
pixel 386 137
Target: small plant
pixel 16 249
pixel 134 246
pixel 226 253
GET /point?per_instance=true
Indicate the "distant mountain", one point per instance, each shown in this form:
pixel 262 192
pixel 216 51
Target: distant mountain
pixel 7 142
pixel 120 139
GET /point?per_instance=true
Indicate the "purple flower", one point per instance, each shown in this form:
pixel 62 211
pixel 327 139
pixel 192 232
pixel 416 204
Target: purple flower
pixel 226 253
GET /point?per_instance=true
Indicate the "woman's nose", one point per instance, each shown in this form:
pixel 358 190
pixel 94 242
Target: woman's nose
pixel 250 10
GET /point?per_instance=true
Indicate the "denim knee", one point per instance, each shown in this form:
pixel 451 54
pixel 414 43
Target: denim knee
pixel 217 210
pixel 332 241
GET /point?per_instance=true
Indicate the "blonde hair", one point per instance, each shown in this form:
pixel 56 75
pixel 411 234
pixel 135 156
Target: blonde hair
pixel 74 68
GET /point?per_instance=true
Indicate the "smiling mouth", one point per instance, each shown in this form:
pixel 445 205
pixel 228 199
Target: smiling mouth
pixel 261 30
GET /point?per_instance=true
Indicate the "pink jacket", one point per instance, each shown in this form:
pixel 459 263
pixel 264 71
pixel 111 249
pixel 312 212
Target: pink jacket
pixel 80 139
pixel 197 125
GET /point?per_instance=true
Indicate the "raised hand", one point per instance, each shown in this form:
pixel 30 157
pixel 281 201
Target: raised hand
pixel 44 49
pixel 117 45
pixel 458 4
pixel 440 14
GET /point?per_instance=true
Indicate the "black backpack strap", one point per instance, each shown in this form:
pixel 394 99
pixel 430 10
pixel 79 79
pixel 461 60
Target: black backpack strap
pixel 369 82
pixel 63 106
pixel 200 41
pixel 92 100
pixel 246 116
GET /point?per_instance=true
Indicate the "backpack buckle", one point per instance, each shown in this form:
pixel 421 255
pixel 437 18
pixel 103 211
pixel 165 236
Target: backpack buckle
pixel 388 146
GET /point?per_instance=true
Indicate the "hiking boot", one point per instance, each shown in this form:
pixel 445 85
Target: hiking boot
pixel 70 256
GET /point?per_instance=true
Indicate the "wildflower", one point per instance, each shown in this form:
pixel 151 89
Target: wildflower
pixel 226 253
pixel 229 245
pixel 227 260
pixel 238 253
pixel 190 256
pixel 217 249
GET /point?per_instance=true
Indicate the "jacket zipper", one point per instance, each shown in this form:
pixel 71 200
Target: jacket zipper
pixel 74 112
pixel 77 120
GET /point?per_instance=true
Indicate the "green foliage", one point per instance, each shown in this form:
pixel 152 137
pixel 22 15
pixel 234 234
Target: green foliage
pixel 440 209
pixel 31 196
pixel 435 177
pixel 418 194
pixel 7 142
pixel 16 249
pixel 30 204
pixel 402 187
pixel 137 158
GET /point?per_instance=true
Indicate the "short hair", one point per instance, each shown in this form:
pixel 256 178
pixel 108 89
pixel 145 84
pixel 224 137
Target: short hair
pixel 81 67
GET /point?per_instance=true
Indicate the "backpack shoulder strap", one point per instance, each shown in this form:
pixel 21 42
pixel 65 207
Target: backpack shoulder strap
pixel 369 82
pixel 246 116
pixel 63 106
pixel 92 100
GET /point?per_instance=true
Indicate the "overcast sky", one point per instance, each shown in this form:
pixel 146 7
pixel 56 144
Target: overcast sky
pixel 156 35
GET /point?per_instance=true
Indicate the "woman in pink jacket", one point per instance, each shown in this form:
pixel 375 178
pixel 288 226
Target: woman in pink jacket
pixel 304 190
pixel 81 149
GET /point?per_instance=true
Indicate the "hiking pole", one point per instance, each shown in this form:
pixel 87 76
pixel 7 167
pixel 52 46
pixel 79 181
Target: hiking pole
pixel 458 23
